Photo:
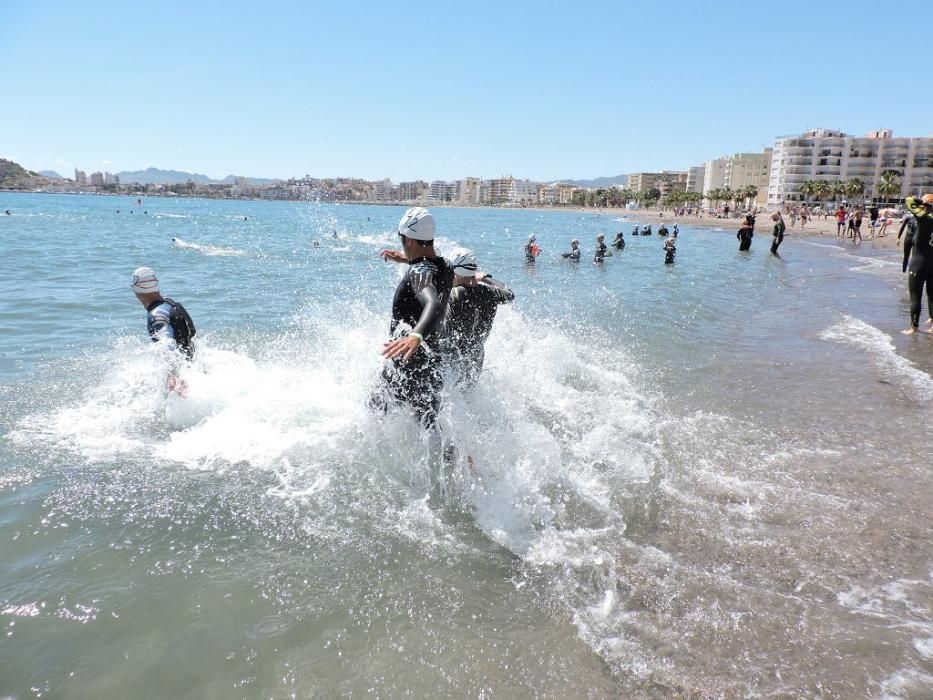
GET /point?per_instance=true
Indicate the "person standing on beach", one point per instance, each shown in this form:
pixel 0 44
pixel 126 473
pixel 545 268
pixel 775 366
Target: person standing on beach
pixel 168 323
pixel 804 215
pixel 779 229
pixel 857 228
pixel 918 257
pixel 872 220
pixel 841 217
pixel 413 374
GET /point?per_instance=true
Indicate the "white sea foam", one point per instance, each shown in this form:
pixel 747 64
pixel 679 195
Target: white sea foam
pixel 207 249
pixel 879 348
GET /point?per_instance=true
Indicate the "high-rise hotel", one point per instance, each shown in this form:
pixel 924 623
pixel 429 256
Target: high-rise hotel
pixel 825 154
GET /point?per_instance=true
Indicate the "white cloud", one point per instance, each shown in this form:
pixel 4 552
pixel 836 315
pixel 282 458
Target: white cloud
pixel 106 162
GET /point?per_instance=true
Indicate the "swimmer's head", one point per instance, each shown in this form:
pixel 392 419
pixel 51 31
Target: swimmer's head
pixel 599 236
pixel 145 281
pixel 417 224
pixel 464 263
pixel 927 199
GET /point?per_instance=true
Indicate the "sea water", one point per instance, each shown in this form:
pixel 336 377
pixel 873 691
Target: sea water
pixel 706 479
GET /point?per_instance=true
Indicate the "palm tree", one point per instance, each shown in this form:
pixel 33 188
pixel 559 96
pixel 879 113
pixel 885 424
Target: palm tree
pixel 855 187
pixel 889 184
pixel 808 189
pixel 750 192
pixel 823 188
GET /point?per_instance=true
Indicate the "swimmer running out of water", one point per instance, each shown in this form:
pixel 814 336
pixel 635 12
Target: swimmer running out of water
pixel 918 257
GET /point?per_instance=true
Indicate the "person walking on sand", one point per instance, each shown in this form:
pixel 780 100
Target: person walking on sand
pixel 872 220
pixel 918 256
pixel 857 227
pixel 841 217
pixel 779 229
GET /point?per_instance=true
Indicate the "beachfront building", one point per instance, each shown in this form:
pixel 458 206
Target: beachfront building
pixel 833 156
pixel 384 191
pixel 524 192
pixel 737 172
pixel 441 191
pixel 665 181
pixel 556 193
pixel 695 178
pixel 412 191
pixel 470 190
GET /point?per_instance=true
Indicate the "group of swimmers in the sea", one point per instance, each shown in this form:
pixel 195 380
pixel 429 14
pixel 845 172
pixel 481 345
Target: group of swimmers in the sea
pixel 602 250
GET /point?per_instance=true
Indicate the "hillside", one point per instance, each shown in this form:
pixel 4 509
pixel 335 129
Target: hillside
pixel 13 174
pixel 157 176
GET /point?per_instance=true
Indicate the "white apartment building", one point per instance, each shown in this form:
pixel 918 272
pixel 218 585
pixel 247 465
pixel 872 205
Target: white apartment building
pixel 523 192
pixel 384 191
pixel 695 178
pixel 831 155
pixel 441 191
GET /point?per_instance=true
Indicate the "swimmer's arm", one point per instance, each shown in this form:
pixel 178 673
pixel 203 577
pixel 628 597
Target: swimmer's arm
pixel 393 256
pixel 432 312
pixel 162 333
pixel 908 246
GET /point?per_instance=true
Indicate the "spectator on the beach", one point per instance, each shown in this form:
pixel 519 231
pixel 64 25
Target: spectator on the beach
pixel 804 215
pixel 850 226
pixel 857 228
pixel 884 220
pixel 779 229
pixel 872 220
pixel 793 217
pixel 841 217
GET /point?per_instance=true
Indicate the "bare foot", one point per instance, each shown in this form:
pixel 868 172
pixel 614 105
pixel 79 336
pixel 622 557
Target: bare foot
pixel 909 331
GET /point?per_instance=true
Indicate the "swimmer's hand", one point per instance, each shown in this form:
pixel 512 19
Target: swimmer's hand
pixel 393 256
pixel 402 348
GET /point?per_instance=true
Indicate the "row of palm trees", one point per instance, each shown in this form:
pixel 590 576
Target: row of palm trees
pixel 888 186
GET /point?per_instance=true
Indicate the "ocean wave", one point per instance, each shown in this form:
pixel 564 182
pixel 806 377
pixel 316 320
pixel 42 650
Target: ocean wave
pixel 212 250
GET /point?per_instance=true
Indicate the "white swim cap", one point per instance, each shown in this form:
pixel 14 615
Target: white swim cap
pixel 464 263
pixel 145 280
pixel 417 223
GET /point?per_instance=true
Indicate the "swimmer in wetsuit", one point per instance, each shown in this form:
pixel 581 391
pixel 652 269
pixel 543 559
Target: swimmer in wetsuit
pixel 167 321
pixel 472 308
pixel 918 257
pixel 574 254
pixel 602 250
pixel 670 250
pixel 413 375
pixel 745 234
pixel 619 242
pixel 779 229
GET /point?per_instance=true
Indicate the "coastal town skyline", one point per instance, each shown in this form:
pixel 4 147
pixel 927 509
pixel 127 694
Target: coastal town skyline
pixel 433 92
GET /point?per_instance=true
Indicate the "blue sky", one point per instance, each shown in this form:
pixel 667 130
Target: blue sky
pixel 442 90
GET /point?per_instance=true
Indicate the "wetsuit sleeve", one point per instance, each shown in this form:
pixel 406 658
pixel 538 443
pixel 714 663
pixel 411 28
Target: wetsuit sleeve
pixel 422 284
pixel 501 293
pixel 908 246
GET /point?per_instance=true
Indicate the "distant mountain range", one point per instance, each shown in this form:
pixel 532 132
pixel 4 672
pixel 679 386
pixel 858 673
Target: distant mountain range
pixel 51 174
pixel 157 176
pixel 596 183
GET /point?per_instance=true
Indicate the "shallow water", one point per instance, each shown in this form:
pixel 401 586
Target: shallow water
pixel 709 479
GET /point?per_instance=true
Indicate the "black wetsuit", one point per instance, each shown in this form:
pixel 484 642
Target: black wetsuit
pixel 602 250
pixel 779 228
pixel 169 322
pixel 420 303
pixel 468 323
pixel 918 262
pixel 619 242
pixel 573 255
pixel 669 253
pixel 745 237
